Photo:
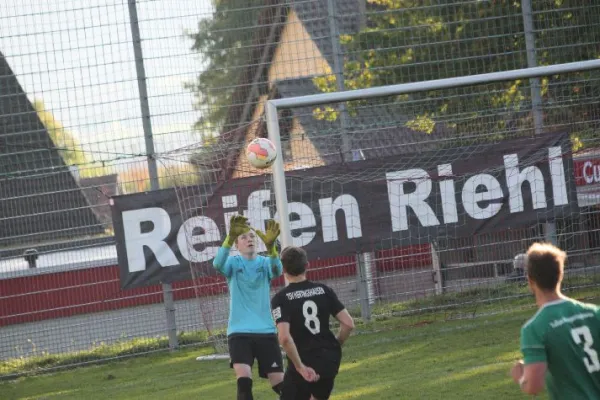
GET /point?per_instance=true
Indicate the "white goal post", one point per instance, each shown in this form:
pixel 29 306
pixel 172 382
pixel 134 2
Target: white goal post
pixel 272 107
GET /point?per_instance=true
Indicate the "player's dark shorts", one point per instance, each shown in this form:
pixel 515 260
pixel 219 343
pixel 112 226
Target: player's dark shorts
pixel 243 349
pixel 326 363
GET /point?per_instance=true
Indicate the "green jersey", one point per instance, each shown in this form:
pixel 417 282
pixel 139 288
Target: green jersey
pixel 565 334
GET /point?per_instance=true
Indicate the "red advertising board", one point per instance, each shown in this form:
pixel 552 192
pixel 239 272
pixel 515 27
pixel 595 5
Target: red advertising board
pixel 586 167
pixel 587 171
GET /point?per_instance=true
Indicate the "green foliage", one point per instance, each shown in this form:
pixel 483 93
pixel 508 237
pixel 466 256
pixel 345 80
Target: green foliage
pixel 204 160
pixel 68 146
pixel 224 41
pixel 418 40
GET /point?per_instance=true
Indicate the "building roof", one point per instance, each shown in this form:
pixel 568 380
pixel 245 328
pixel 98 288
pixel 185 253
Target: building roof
pixel 40 199
pixel 314 16
pixel 244 99
pixel 375 129
pixel 98 191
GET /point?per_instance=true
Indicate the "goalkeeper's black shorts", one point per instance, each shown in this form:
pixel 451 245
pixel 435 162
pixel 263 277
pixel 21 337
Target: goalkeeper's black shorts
pixel 244 348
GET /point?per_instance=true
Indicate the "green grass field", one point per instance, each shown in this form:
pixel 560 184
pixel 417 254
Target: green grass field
pixel 453 360
pixel 430 355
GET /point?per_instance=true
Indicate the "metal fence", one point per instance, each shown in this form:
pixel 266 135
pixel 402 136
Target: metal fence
pixel 116 97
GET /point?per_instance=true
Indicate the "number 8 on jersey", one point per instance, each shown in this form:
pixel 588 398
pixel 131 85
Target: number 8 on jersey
pixel 311 320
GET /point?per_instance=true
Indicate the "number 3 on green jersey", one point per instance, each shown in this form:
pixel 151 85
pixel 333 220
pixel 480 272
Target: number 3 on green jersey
pixel 583 336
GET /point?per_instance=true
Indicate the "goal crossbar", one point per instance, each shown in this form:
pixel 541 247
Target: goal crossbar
pixel 272 106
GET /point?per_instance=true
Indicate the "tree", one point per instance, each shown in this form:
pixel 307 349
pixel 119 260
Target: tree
pixel 224 40
pixel 416 40
pixel 206 160
pixel 68 146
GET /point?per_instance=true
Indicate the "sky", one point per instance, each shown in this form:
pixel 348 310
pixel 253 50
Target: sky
pixel 79 61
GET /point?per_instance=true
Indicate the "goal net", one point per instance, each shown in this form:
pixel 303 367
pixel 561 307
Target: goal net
pixel 432 191
pixel 192 191
pixel 208 194
pixel 407 198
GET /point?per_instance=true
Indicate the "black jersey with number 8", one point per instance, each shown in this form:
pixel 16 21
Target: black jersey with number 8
pixel 307 306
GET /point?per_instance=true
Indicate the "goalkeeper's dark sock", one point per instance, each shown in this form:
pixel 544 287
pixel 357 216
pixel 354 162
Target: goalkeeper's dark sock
pixel 277 388
pixel 244 389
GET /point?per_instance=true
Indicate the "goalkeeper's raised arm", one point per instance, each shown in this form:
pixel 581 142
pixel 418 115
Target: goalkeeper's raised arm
pixel 251 331
pixel 269 239
pixel 238 226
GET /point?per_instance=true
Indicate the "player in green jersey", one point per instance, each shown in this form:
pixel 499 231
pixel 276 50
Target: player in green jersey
pixel 561 342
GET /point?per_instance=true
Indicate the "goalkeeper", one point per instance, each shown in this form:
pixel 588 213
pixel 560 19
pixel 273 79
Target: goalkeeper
pixel 251 332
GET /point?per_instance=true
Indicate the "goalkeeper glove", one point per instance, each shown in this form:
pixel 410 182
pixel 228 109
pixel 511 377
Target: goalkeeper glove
pixel 238 225
pixel 270 236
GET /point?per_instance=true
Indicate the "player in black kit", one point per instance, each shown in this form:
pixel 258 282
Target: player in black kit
pixel 301 311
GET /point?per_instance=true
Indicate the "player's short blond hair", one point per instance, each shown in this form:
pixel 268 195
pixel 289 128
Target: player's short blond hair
pixel 545 265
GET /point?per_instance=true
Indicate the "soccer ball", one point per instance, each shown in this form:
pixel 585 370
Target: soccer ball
pixel 261 153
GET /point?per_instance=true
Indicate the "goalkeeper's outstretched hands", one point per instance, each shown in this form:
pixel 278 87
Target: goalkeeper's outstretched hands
pixel 270 237
pixel 238 225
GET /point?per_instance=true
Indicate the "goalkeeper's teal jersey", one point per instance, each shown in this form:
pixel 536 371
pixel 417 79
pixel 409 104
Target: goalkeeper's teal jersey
pixel 249 284
pixel 566 335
